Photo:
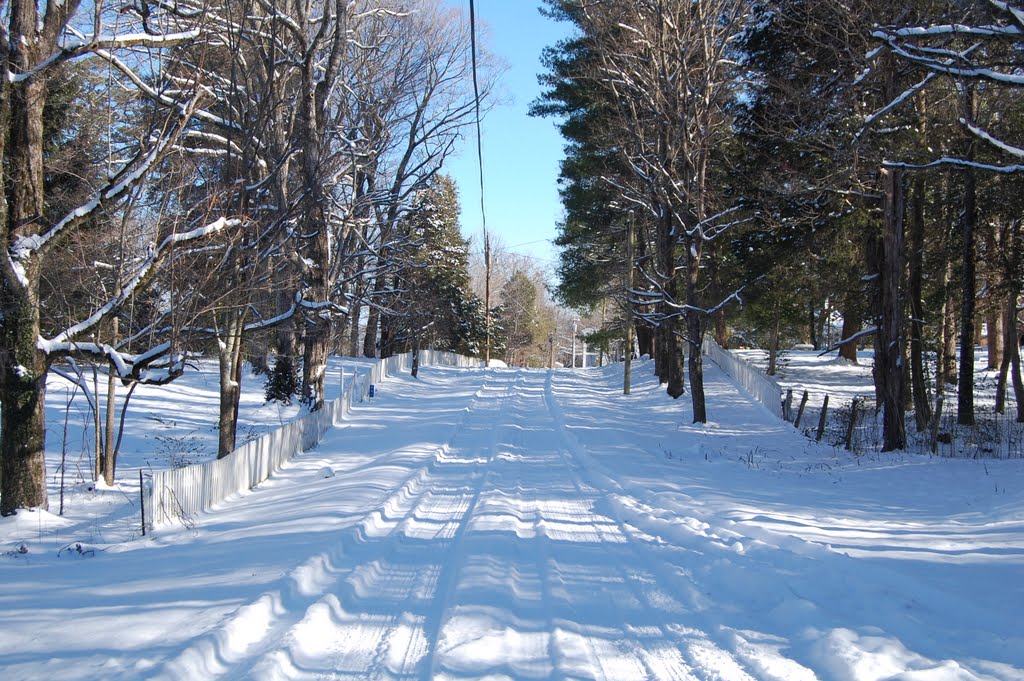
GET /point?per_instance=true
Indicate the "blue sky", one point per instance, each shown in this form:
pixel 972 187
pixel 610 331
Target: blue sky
pixel 521 154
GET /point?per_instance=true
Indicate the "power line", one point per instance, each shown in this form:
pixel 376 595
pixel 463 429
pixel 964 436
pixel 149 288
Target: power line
pixel 476 106
pixel 480 161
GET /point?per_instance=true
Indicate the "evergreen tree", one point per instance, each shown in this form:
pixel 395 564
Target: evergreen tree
pixel 434 305
pixel 519 317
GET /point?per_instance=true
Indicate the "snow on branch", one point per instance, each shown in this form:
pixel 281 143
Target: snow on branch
pixel 916 55
pixel 840 343
pixel 1012 8
pixel 61 341
pixel 117 186
pixel 951 161
pixel 91 45
pixel 908 93
pixel 958 29
pixel 997 143
pixel 163 98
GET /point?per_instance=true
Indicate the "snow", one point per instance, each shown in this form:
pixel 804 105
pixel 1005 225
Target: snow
pixel 526 524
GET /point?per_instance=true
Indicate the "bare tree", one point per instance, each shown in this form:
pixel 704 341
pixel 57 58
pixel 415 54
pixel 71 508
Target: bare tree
pixel 667 66
pixel 428 102
pixel 35 43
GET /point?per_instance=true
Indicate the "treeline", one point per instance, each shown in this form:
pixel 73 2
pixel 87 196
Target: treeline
pixel 780 165
pixel 238 179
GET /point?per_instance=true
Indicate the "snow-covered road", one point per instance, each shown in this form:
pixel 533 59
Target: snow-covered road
pixel 516 524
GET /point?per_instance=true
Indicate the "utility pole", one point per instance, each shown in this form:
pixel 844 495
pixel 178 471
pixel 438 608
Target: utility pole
pixel 487 296
pixel 551 351
pixel 627 372
pixel 573 363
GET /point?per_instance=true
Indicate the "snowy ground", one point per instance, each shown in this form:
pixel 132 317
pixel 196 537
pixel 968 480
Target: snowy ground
pixel 518 524
pixel 819 374
pixel 826 374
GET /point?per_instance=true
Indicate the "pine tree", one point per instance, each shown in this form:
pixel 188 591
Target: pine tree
pixel 434 304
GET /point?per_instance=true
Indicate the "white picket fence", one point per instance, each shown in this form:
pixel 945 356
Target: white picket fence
pixel 761 387
pixel 181 493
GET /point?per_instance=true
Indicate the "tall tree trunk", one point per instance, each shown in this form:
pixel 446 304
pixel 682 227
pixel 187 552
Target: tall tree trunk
pixel 660 355
pixel 355 310
pixel 996 338
pixel 695 333
pixel 1011 345
pixel 918 386
pixel 695 330
pixel 671 357
pixel 373 319
pixel 1009 314
pixel 718 318
pixel 22 405
pixel 109 450
pixel 890 361
pixel 314 366
pixel 23 366
pixel 947 371
pixel 812 324
pixel 851 326
pixel 874 257
pixel 968 225
pixel 230 365
pixel 644 339
pixel 965 394
pixel 317 278
pixel 773 343
pixel 1013 349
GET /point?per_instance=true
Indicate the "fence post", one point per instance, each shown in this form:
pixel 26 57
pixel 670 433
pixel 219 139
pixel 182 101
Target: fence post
pixel 787 407
pixel 142 503
pixel 853 421
pixel 935 423
pixel 800 411
pixel 822 419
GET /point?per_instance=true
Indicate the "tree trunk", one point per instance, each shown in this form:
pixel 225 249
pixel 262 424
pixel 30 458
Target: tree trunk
pixel 1009 315
pixel 230 364
pixel 314 367
pixel 1018 383
pixel 22 406
pixel 672 356
pixel 695 332
pixel 773 344
pixel 996 339
pixel 23 366
pixel 718 318
pixel 812 324
pixel 108 438
pixel 644 339
pixel 851 327
pixel 355 311
pixel 968 225
pixel 965 394
pixel 661 354
pixel 890 362
pixel 947 371
pixel 918 386
pixel 373 320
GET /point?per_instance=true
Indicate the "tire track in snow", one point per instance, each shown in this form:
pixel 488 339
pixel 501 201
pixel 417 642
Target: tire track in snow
pixel 537 617
pixel 455 561
pixel 705 656
pixel 351 643
pixel 242 645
